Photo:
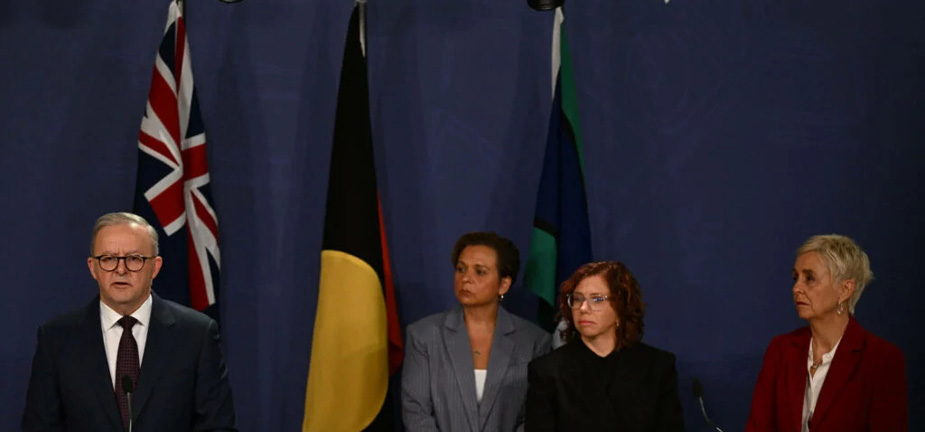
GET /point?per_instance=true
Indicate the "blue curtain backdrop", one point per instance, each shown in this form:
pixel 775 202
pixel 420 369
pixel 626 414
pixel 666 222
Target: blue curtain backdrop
pixel 718 136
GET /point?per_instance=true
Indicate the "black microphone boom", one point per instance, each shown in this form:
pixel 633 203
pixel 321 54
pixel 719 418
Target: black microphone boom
pixel 545 5
pixel 127 385
pixel 697 388
pixel 128 388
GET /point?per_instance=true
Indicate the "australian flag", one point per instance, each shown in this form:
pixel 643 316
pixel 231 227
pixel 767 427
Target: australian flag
pixel 172 189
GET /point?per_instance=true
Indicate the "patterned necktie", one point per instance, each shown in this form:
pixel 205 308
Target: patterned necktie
pixel 127 364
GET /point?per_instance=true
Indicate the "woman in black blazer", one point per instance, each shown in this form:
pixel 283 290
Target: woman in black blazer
pixel 603 378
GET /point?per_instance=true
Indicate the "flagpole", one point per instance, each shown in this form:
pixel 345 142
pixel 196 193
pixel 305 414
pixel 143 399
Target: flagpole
pixel 361 5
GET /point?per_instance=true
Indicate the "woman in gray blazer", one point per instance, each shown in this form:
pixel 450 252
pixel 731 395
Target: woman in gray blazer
pixel 465 369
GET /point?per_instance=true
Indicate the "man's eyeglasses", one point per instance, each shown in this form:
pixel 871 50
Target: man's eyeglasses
pixel 594 302
pixel 133 263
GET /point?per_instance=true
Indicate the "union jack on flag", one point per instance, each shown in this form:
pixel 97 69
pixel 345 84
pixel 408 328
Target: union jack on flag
pixel 172 189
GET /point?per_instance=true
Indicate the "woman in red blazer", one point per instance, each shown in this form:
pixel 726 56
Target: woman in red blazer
pixel 831 375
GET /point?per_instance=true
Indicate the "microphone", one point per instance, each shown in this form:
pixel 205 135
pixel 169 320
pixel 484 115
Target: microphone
pixel 697 387
pixel 127 388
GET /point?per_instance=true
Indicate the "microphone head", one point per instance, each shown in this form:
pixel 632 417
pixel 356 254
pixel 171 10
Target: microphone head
pixel 545 5
pixel 697 387
pixel 127 384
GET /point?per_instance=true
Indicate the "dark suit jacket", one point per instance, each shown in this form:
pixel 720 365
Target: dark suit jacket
pixel 567 395
pixel 183 385
pixel 864 390
pixel 438 376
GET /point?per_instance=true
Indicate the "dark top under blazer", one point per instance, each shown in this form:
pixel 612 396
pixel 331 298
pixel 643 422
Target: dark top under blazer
pixel 864 389
pixel 633 390
pixel 183 384
pixel 438 376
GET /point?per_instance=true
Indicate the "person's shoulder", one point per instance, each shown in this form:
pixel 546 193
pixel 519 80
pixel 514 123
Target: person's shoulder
pixel 886 348
pixel 529 327
pixel 652 350
pixel 428 324
pixel 556 357
pixel 185 316
pixel 71 319
pixel 655 354
pixel 883 345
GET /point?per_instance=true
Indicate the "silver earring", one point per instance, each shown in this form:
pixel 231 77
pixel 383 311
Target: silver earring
pixel 500 298
pixel 840 309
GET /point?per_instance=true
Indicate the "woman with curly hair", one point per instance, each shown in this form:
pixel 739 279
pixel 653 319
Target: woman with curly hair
pixel 604 378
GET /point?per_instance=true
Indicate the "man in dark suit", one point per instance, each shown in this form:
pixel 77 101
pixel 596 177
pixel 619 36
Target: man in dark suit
pixel 167 356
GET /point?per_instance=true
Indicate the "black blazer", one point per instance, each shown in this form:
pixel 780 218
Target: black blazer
pixel 566 393
pixel 183 385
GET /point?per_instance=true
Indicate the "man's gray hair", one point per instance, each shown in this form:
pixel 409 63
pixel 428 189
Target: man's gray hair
pixel 122 218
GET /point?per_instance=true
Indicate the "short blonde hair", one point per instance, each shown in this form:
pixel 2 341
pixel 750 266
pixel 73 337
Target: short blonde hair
pixel 845 261
pixel 123 218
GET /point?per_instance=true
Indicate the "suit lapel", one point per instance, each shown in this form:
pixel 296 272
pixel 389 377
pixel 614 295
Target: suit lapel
pixel 456 338
pixel 94 356
pixel 845 362
pixel 796 356
pixel 157 348
pixel 502 347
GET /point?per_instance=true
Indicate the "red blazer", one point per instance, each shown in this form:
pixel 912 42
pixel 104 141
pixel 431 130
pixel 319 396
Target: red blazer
pixel 865 389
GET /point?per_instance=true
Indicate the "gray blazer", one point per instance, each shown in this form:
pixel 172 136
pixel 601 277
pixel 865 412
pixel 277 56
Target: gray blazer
pixel 438 376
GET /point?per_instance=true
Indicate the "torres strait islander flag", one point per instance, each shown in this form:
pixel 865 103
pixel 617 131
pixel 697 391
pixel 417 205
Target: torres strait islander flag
pixel 172 188
pixel 561 240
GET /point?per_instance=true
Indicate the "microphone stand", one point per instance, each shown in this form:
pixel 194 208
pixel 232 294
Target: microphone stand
pixel 127 388
pixel 697 387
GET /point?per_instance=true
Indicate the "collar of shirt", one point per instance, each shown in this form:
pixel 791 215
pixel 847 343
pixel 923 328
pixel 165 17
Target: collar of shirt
pixel 814 382
pixel 109 318
pixel 826 358
pixel 590 356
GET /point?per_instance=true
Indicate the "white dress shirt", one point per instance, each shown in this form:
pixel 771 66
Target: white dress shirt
pixel 814 383
pixel 112 332
pixel 480 375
